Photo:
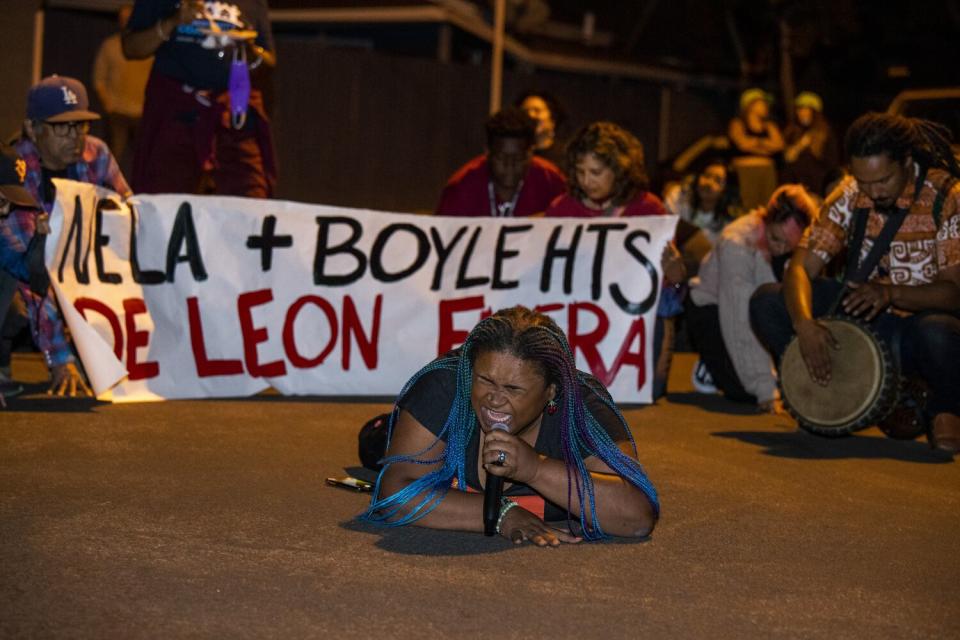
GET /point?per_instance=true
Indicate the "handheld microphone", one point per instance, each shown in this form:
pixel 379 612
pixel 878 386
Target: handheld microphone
pixel 492 493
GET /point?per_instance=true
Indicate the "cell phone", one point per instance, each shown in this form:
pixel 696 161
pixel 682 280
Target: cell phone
pixel 349 482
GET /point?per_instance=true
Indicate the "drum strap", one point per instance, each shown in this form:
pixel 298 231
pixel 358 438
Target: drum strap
pixel 858 271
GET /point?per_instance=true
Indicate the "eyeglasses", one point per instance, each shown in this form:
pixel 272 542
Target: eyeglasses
pixel 64 129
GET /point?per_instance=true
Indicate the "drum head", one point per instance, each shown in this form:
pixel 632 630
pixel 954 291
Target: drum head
pixel 860 374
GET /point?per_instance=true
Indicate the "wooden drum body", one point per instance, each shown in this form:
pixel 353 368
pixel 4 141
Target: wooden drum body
pixel 864 382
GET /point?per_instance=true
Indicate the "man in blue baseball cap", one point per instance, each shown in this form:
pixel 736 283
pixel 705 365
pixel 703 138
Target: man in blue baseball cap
pixel 54 143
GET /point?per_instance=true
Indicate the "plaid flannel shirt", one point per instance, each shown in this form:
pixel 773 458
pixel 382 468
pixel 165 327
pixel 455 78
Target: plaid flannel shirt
pixel 12 261
pixel 97 166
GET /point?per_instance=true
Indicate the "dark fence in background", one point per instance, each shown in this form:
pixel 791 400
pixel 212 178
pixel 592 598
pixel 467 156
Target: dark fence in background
pixel 359 128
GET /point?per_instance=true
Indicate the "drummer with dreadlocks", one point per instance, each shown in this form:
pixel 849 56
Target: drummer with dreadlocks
pixel 510 403
pixel 898 216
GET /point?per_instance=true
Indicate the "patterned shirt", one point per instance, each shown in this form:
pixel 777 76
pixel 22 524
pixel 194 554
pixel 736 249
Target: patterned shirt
pixel 97 166
pixel 46 325
pixel 919 250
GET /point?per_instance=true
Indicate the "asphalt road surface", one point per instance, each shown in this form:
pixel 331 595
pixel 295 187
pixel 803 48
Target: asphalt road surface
pixel 211 519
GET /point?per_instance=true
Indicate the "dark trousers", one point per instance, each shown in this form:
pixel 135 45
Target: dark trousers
pixel 929 342
pixel 12 316
pixel 237 170
pixel 703 329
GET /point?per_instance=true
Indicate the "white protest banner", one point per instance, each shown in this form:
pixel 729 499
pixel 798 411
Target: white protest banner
pixel 202 296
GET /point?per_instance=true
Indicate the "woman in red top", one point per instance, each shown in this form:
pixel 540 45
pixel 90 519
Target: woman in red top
pixel 606 176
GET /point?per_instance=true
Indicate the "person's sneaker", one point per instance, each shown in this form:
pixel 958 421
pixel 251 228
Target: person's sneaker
pixel 702 380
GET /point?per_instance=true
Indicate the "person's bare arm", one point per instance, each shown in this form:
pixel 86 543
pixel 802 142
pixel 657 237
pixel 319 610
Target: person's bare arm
pixel 815 339
pixel 797 291
pixel 774 142
pixel 141 44
pixel 458 510
pixel 622 508
pixel 737 133
pixel 768 146
pixel 792 152
pixel 691 153
pixel 871 298
pixel 269 57
pixel 943 294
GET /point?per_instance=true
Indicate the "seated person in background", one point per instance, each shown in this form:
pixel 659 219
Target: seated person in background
pixel 26 266
pixel 567 450
pixel 718 308
pixel 506 181
pixel 707 148
pixel 544 108
pixel 811 146
pixel 903 173
pixel 54 144
pixel 710 199
pixel 606 175
pixel 752 131
pixel 757 143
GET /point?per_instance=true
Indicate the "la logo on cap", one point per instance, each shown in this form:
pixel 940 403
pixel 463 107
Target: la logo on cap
pixel 69 97
pixel 21 168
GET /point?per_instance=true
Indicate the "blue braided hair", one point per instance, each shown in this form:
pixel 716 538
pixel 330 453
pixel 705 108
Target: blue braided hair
pixel 534 338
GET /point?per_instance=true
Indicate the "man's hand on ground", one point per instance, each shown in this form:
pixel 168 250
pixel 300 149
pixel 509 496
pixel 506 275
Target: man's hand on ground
pixel 66 380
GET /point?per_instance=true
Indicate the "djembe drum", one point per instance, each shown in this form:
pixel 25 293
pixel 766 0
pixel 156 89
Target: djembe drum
pixel 864 384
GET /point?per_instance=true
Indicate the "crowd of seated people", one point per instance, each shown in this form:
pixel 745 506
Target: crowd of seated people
pixel 756 274
pixel 727 245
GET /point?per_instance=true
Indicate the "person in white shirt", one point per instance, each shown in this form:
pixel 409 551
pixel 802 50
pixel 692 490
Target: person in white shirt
pixel 718 309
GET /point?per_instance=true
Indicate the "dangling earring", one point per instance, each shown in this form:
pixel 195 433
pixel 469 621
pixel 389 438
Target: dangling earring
pixel 552 407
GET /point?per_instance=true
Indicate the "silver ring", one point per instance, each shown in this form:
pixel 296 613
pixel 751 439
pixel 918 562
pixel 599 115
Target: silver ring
pixel 502 458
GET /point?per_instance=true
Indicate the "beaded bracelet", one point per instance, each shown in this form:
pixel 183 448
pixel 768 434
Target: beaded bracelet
pixel 505 506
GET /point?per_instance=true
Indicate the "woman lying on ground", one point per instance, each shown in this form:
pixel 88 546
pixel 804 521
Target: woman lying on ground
pixel 566 453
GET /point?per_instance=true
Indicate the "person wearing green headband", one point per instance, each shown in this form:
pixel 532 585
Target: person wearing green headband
pixel 757 143
pixel 812 150
pixel 753 132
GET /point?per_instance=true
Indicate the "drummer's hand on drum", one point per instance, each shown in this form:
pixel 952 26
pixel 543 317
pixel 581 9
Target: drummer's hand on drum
pixel 866 299
pixel 815 344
